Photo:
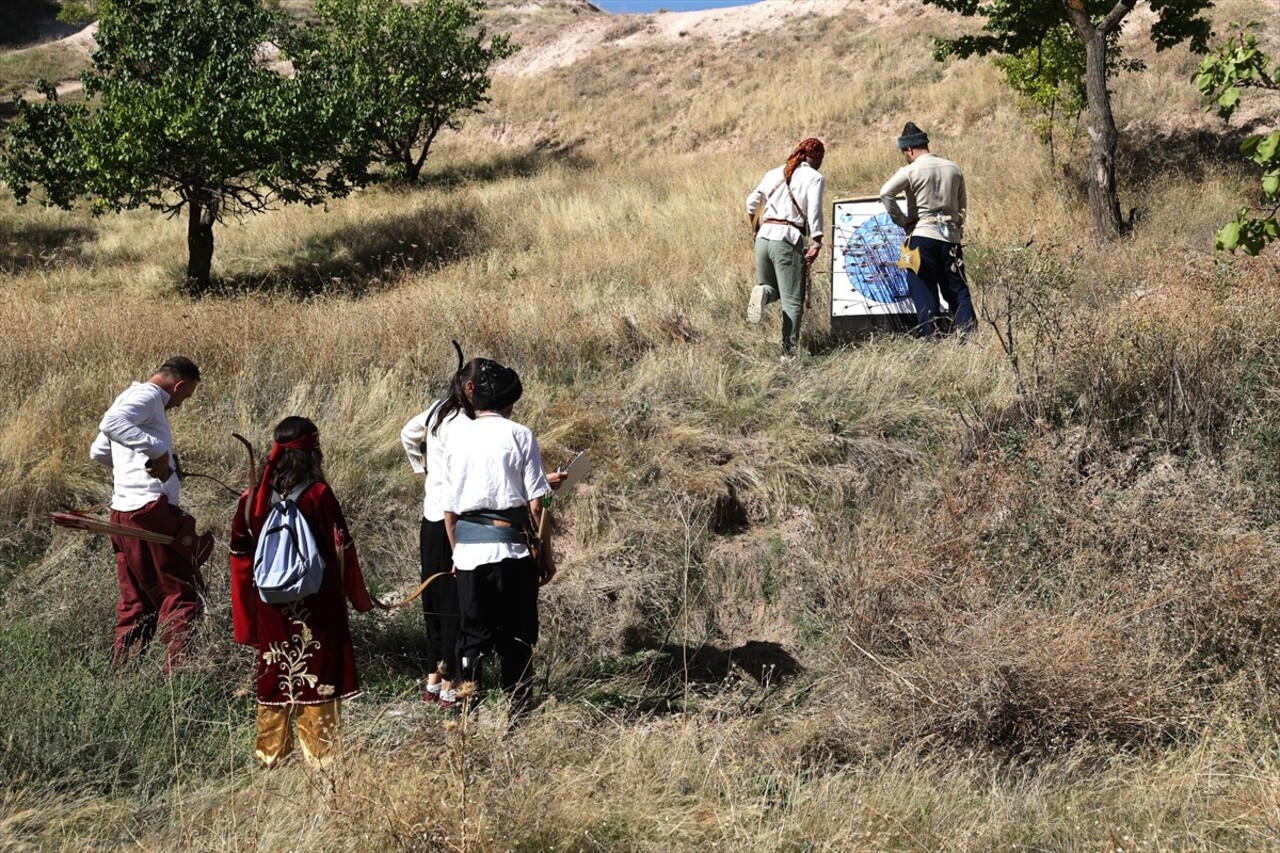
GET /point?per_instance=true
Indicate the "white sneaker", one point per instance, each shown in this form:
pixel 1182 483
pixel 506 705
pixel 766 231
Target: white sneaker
pixel 755 303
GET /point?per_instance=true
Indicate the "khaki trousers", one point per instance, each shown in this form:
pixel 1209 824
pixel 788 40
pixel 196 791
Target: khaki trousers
pixel 780 270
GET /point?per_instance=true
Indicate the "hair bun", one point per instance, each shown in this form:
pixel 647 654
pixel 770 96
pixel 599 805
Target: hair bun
pixel 496 387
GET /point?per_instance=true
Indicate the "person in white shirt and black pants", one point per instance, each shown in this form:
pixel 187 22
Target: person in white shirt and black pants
pixel 423 438
pixel 494 486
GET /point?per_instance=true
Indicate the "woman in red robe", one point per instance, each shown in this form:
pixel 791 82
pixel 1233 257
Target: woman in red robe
pixel 306 664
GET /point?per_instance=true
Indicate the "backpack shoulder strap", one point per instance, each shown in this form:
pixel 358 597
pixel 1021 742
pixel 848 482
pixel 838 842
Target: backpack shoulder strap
pixel 295 494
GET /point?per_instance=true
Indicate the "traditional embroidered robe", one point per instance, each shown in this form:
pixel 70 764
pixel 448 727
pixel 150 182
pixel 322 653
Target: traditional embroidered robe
pixel 244 596
pixel 304 647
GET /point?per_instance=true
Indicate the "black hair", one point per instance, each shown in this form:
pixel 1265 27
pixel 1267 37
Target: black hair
pixel 179 368
pixel 296 466
pixel 497 387
pixel 457 399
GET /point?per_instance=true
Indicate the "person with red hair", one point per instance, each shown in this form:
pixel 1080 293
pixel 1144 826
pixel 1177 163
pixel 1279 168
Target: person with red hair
pixel 790 199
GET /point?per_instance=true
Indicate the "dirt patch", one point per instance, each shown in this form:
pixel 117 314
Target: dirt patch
pixel 83 41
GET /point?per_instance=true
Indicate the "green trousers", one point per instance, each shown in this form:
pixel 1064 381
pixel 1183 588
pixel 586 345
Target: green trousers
pixel 780 270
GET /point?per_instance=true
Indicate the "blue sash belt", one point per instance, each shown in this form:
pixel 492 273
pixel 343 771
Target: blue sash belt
pixel 480 527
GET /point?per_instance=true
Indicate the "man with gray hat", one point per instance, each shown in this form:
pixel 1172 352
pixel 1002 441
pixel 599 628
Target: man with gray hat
pixel 934 222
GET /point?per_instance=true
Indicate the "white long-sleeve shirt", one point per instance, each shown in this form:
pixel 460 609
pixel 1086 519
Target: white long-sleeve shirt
pixel 807 186
pixel 134 431
pixel 426 456
pixel 936 197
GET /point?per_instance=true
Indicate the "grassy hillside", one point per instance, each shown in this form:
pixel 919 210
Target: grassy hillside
pixel 1013 593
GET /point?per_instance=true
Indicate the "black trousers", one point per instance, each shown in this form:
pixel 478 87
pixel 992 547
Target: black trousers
pixel 499 603
pixel 440 599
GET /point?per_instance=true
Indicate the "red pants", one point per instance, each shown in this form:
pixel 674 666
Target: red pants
pixel 159 587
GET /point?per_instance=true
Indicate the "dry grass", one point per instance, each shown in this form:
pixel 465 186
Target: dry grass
pixel 896 597
pixel 711 792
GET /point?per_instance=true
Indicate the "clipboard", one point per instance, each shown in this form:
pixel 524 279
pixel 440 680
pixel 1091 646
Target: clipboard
pixel 576 470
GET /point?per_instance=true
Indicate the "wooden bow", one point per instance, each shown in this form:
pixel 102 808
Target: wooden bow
pixel 339 550
pixel 253 478
pixel 413 596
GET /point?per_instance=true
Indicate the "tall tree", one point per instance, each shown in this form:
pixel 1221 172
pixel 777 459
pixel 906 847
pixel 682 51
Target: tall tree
pixel 184 112
pixel 1014 26
pixel 1050 79
pixel 1239 64
pixel 405 72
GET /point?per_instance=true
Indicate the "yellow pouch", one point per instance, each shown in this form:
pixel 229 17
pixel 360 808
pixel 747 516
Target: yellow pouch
pixel 909 258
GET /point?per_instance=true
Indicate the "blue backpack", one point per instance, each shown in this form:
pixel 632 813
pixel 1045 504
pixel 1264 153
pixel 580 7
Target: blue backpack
pixel 287 563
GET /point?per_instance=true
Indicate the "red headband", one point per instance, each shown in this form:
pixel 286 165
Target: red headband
pixel 262 495
pixel 310 441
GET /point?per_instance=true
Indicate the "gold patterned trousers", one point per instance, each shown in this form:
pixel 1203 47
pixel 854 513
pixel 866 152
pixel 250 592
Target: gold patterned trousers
pixel 317 731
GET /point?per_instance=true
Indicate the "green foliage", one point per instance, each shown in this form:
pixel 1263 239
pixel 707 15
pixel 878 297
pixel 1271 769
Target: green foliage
pixel 186 112
pixel 1012 27
pixel 1020 30
pixel 1237 65
pixel 75 12
pixel 1050 77
pixel 404 72
pixel 43 148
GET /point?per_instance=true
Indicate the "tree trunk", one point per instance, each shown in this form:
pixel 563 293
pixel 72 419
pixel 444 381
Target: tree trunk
pixel 430 137
pixel 405 155
pixel 200 219
pixel 1104 201
pixel 412 170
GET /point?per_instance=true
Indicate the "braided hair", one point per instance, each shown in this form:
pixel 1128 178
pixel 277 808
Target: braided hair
pixel 811 147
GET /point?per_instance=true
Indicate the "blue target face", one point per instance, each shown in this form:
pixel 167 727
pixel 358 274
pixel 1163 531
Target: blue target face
pixel 870 257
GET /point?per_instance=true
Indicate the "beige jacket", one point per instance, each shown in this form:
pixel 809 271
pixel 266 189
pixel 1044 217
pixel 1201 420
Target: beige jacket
pixel 936 198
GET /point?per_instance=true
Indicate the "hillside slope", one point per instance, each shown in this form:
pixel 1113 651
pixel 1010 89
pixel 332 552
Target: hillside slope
pixel 1010 593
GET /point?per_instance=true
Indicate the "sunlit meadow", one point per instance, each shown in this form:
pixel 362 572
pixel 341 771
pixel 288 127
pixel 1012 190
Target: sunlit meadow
pixel 1012 593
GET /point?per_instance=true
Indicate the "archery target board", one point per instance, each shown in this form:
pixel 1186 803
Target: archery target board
pixel 868 291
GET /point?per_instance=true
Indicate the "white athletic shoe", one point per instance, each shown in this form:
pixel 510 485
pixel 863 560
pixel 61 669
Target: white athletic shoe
pixel 755 303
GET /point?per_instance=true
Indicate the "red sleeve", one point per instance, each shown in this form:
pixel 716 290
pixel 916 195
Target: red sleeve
pixel 321 506
pixel 244 597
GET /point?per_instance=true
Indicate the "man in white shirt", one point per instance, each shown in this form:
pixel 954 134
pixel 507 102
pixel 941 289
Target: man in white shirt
pixel 160 585
pixel 934 222
pixel 494 486
pixel 791 198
